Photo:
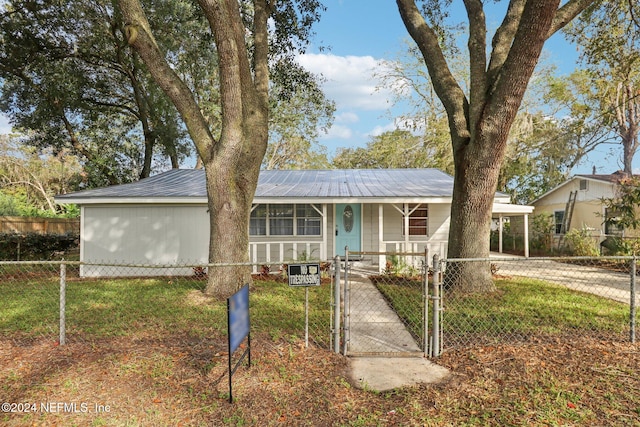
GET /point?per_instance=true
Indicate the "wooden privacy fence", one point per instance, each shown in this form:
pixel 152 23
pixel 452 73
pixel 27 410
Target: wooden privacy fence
pixel 20 224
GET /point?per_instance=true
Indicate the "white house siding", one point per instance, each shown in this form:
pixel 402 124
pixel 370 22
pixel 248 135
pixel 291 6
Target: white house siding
pixel 149 234
pixel 439 219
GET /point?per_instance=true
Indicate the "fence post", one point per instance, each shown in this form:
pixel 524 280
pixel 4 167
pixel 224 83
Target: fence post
pixel 336 307
pixel 63 299
pixel 345 301
pixel 632 302
pixel 425 303
pixel 435 297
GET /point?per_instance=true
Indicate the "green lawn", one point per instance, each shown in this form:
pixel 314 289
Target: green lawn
pixel 521 308
pixel 152 306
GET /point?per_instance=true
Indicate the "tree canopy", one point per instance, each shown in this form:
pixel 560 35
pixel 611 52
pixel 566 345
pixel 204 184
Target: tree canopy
pixel 71 83
pixel 609 37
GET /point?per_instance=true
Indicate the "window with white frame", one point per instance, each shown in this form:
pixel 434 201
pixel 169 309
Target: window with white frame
pixel 285 220
pixel 280 220
pixel 258 221
pixel 558 219
pixel 308 220
pixel 418 220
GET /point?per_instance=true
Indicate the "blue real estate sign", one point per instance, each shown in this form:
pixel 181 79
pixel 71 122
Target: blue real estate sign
pixel 238 308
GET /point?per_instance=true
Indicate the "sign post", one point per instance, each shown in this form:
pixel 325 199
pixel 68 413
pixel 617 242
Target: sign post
pixel 239 329
pixel 304 275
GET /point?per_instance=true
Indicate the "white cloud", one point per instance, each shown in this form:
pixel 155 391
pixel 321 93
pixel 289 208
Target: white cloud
pixel 408 125
pixel 379 130
pixel 349 80
pixel 338 132
pixel 347 117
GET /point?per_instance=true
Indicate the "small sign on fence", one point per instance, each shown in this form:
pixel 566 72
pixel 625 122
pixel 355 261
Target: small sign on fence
pixel 304 274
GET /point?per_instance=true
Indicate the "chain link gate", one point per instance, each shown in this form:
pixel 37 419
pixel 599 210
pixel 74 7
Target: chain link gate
pixel 384 311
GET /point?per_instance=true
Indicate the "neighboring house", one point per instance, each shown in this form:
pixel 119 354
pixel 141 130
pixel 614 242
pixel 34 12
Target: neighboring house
pixel 587 211
pixel 297 214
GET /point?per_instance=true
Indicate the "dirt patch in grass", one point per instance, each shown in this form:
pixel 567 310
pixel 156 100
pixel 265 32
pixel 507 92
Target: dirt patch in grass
pixel 178 380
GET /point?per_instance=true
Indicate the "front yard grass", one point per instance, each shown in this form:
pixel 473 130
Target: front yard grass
pixel 153 352
pixel 520 310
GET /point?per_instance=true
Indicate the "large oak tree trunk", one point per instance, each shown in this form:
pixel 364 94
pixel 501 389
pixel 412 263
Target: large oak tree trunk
pixel 475 180
pixel 229 210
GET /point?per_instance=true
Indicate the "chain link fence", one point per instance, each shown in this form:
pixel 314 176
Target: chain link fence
pixel 69 302
pixel 538 300
pixel 405 307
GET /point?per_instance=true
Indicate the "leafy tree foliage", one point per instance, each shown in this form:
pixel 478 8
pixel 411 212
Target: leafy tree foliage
pixel 298 113
pixel 610 40
pixel 29 180
pixel 623 212
pixel 392 149
pixel 70 80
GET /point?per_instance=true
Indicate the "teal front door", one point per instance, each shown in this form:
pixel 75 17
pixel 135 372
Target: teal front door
pixel 348 227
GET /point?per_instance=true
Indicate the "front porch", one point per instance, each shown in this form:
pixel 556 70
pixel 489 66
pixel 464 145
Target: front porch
pixel 283 233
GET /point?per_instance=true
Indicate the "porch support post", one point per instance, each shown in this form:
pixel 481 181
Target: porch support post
pixel 325 233
pixel 526 235
pixel 405 215
pixel 500 233
pixel 381 247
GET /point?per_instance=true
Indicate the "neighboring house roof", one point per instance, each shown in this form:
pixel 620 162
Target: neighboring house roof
pixel 188 186
pixel 612 178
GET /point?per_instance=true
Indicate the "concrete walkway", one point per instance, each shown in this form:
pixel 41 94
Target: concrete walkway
pixel 376 329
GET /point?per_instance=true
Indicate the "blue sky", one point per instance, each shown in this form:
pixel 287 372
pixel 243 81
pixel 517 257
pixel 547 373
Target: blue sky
pixel 361 33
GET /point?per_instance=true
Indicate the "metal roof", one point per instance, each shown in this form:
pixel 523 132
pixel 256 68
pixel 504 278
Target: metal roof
pixel 189 185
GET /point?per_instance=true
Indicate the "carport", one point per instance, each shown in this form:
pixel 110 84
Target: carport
pixel 505 210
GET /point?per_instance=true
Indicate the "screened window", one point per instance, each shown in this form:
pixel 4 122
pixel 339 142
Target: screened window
pixel 258 221
pixel 558 217
pixel 281 220
pixel 308 220
pixel 584 184
pixel 285 220
pixel 418 221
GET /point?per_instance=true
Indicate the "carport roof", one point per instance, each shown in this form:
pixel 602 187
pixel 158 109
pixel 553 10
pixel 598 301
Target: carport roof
pixel 188 185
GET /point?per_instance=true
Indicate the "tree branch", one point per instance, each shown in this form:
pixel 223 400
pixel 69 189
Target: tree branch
pixel 512 78
pixel 445 85
pixel 477 59
pixel 566 13
pixel 503 38
pixel 140 38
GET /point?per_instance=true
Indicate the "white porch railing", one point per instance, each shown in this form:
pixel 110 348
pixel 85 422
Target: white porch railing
pixel 281 252
pixel 416 247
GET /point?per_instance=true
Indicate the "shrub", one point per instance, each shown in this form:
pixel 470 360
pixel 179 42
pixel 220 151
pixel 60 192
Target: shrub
pixel 35 246
pixel 582 243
